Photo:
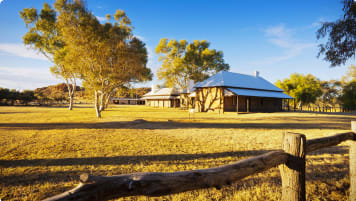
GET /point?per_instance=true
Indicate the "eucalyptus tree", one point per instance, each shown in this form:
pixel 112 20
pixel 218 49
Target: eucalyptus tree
pixel 304 88
pixel 349 95
pixel 341 43
pixel 348 81
pixel 331 92
pixel 350 75
pixel 108 56
pixel 183 61
pixel 44 36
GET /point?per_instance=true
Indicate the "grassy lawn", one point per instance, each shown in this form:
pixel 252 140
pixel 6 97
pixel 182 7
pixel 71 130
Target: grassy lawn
pixel 43 150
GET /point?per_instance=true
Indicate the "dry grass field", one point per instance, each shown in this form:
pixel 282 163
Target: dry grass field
pixel 43 150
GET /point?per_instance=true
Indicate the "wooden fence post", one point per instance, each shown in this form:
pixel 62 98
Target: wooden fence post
pixel 293 172
pixel 353 164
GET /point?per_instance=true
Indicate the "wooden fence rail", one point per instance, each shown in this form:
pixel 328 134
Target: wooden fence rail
pixel 291 160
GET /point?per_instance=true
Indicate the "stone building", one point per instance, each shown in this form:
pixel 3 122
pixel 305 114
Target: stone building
pixel 235 92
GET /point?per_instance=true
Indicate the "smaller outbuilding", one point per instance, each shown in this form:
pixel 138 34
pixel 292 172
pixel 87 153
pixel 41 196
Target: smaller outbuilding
pixel 162 97
pixel 128 101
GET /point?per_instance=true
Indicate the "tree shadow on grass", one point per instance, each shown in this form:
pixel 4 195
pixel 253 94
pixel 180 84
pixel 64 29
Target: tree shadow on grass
pixel 65 176
pixel 39 178
pixel 120 160
pixel 138 159
pixel 142 124
pixel 331 150
pixel 320 118
pixel 321 172
pixel 332 113
pixel 14 112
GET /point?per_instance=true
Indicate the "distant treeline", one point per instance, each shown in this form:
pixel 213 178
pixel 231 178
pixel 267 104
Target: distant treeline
pixel 53 94
pixel 132 92
pixel 310 92
pixel 58 94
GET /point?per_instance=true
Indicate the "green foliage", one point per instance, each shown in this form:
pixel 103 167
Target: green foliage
pixel 106 56
pixel 126 92
pixel 341 44
pixel 350 75
pixel 305 89
pixel 45 36
pixel 4 93
pixel 182 62
pixel 331 92
pixel 27 96
pixel 13 96
pixel 108 17
pixel 349 88
pixel 53 94
pixel 349 95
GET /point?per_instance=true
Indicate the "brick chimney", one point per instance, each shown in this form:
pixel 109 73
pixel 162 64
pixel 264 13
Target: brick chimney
pixel 257 73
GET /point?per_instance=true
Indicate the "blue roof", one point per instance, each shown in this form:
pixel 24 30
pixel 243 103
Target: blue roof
pixel 258 93
pixel 229 79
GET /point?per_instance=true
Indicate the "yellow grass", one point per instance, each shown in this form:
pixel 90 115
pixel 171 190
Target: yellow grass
pixel 43 150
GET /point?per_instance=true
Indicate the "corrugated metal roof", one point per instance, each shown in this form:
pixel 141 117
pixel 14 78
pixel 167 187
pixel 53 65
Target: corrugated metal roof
pixel 160 97
pixel 193 94
pixel 228 93
pixel 258 93
pixel 163 92
pixel 229 79
pixel 125 98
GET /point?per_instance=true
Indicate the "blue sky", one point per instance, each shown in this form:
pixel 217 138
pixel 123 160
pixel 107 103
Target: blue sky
pixel 276 38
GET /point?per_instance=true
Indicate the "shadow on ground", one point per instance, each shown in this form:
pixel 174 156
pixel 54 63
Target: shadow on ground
pixel 343 124
pixel 331 150
pixel 119 160
pixel 313 173
pixel 138 159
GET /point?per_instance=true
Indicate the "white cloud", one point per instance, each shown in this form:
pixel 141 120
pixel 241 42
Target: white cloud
pixel 1 1
pixel 21 78
pixel 282 37
pixel 318 23
pixel 18 49
pixel 101 19
pixel 278 31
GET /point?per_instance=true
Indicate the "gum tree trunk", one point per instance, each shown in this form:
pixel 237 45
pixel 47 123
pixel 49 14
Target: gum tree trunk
pixel 107 99
pixel 101 102
pixel 71 90
pixel 97 105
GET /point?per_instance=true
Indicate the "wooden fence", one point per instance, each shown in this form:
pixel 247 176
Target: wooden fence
pixel 291 160
pixel 321 109
pixel 324 108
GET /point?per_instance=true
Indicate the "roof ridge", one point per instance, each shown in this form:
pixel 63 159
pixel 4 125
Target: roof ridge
pixel 233 79
pixel 222 77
